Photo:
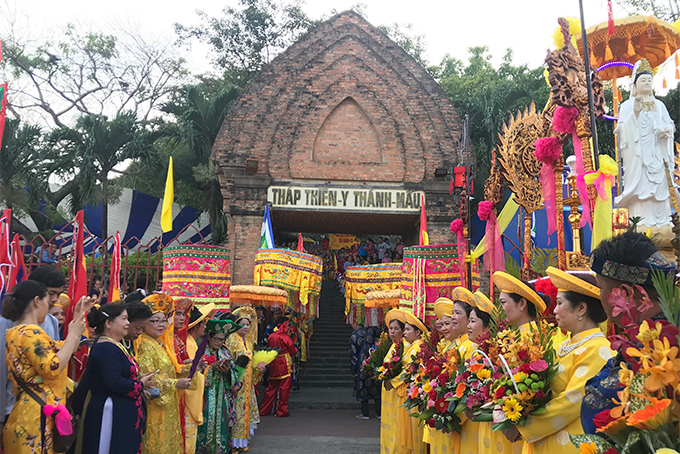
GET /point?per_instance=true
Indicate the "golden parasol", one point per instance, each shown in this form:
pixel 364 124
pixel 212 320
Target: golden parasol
pixel 257 294
pixel 635 37
pixel 383 298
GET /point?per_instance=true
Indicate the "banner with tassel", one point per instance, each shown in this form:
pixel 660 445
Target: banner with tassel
pixel 564 122
pixel 495 257
pixel 548 150
pixel 461 246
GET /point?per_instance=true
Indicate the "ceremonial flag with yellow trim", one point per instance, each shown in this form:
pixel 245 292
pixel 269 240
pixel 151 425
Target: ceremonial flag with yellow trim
pixel 114 275
pixel 77 287
pixel 424 239
pixel 168 198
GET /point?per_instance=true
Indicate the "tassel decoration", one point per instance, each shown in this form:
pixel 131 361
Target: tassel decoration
pixel 668 51
pixel 677 73
pixel 608 53
pixel 665 84
pixel 631 49
pixel 677 59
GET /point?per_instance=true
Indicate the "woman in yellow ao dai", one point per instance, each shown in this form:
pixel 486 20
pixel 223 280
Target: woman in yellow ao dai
pixel 579 311
pixel 521 305
pixel 454 317
pixel 409 433
pixel 389 400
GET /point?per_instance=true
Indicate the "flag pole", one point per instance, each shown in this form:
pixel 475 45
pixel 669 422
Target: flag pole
pixel 589 84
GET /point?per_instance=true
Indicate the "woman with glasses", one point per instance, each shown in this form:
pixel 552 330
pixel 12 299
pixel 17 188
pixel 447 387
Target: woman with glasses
pixel 163 430
pixel 221 380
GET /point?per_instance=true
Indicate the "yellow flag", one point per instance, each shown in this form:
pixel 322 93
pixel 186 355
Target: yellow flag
pixel 168 198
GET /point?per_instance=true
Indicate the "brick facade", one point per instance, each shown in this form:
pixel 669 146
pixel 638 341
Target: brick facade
pixel 343 104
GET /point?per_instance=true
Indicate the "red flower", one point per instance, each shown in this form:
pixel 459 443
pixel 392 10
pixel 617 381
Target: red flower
pixel 437 370
pixel 443 378
pixel 603 418
pixel 432 394
pixel 539 394
pixel 526 368
pixel 611 451
pixel 441 405
pixel 500 392
pixel 523 355
pixel 431 423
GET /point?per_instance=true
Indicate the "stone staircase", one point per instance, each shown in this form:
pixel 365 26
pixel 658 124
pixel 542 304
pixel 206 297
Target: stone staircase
pixel 328 363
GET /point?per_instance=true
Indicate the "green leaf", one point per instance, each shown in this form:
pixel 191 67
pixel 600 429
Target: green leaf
pixel 460 408
pixel 633 438
pixel 503 426
pixel 600 443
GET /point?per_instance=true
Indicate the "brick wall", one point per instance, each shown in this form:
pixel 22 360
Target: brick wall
pixel 344 103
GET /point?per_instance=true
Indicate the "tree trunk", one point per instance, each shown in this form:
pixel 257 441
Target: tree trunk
pixel 105 208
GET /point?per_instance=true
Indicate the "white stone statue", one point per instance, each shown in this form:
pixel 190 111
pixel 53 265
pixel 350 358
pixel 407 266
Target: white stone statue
pixel 645 133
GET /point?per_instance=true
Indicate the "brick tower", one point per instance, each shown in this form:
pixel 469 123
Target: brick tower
pixel 341 133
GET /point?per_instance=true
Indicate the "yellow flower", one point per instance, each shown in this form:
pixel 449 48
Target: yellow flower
pixel 648 334
pixel 588 448
pixel 666 451
pixel 625 374
pixel 484 374
pixel 520 376
pixel 512 409
pixel 427 388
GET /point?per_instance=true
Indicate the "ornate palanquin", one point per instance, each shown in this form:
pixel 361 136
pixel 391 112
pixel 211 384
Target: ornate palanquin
pixel 202 273
pixel 296 272
pixel 428 273
pixel 360 280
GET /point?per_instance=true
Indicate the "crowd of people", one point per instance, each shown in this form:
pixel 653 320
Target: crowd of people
pixel 587 379
pixel 157 375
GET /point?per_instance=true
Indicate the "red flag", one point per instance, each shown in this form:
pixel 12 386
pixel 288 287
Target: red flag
pixel 3 108
pixel 611 29
pixel 5 258
pixel 18 270
pixel 77 287
pixel 424 239
pixel 114 276
pixel 301 245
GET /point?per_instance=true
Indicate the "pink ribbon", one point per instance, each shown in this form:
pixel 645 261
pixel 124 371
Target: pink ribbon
pixel 62 420
pixel 457 229
pixel 580 182
pixel 599 184
pixel 494 255
pixel 548 185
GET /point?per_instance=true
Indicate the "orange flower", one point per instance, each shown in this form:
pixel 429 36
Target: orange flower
pixel 625 374
pixel 622 404
pixel 588 448
pixel 476 368
pixel 460 389
pixel 653 416
pixel 615 426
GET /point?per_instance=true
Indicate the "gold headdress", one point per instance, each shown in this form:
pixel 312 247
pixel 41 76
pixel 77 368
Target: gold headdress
pixel 566 282
pixel 484 303
pixel 406 317
pixel 64 301
pixel 510 284
pixel 248 312
pixel 464 295
pixel 159 302
pixel 443 306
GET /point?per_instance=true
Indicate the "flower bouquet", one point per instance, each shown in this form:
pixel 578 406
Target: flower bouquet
pixel 378 353
pixel 528 364
pixel 645 418
pixel 392 367
pixel 429 387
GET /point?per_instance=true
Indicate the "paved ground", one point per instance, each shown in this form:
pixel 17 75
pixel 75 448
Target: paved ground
pixel 317 431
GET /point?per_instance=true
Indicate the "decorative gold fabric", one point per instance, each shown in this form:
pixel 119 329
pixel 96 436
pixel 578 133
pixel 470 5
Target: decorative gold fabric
pixel 463 294
pixel 510 284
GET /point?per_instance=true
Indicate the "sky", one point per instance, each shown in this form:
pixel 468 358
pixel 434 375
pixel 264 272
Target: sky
pixel 449 27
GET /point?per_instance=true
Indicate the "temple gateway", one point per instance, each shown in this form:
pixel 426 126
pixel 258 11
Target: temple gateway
pixel 341 133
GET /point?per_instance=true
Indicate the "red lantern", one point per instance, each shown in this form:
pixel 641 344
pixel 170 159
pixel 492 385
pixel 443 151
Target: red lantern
pixel 459 176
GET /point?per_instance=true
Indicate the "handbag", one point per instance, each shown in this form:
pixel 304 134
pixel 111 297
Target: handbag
pixel 60 443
